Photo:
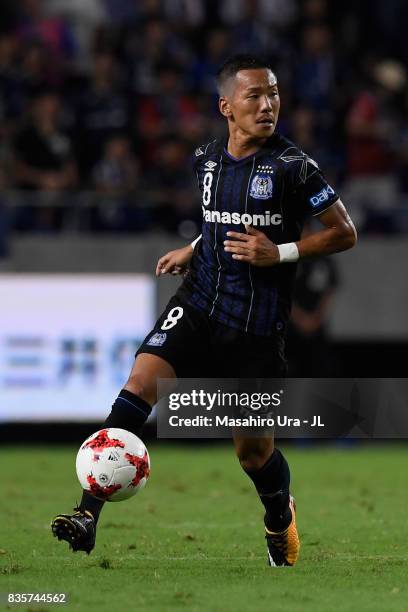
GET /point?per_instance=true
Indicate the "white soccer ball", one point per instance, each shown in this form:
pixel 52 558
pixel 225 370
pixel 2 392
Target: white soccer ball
pixel 113 464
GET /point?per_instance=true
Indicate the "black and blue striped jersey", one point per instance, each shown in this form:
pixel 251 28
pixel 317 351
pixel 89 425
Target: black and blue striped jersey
pixel 273 190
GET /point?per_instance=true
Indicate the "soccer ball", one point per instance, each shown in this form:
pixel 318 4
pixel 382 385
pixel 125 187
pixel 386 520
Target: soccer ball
pixel 113 464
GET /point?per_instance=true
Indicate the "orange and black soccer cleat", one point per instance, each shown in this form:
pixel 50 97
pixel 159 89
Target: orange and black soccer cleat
pixel 284 546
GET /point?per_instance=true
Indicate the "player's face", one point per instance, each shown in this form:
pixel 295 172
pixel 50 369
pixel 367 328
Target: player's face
pixel 252 102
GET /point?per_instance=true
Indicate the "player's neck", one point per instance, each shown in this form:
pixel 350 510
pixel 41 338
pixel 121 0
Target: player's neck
pixel 240 145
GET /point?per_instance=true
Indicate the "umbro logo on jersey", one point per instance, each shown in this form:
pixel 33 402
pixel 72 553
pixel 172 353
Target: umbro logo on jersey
pixel 210 165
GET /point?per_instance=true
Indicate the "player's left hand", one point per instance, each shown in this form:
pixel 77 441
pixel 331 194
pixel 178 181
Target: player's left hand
pixel 254 248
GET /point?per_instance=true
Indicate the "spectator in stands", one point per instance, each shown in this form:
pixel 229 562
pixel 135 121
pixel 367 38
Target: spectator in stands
pixel 308 343
pixel 54 34
pixel 84 18
pixel 190 13
pixel 44 159
pixel 305 130
pixel 24 72
pixel 274 13
pixel 103 111
pixel 314 11
pixel 172 110
pixel 120 12
pixel 217 49
pixel 249 32
pixel 36 72
pixel 117 173
pixel 170 182
pixel 373 126
pixel 146 68
pixel 115 179
pixel 10 107
pixel 150 46
pixel 315 74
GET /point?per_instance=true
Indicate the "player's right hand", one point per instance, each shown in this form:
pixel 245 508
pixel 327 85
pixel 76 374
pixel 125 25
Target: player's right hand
pixel 175 262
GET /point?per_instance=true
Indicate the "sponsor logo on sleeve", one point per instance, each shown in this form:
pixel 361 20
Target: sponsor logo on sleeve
pixel 322 196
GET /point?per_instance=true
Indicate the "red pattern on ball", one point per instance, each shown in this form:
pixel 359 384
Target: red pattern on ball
pixel 102 440
pixel 142 467
pixel 101 492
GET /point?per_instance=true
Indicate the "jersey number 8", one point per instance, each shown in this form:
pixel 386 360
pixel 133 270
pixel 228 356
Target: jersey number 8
pixel 174 315
pixel 207 182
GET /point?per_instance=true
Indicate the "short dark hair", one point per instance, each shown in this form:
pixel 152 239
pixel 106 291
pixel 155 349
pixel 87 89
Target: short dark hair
pixel 236 63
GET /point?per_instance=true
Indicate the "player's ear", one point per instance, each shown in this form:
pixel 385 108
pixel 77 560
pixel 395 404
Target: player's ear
pixel 225 108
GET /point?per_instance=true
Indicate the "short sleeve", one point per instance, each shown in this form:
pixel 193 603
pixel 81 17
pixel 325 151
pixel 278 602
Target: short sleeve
pixel 201 152
pixel 196 158
pixel 311 191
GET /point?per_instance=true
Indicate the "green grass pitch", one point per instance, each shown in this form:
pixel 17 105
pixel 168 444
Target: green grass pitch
pixel 193 539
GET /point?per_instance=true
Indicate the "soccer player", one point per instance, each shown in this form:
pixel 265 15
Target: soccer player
pixel 229 316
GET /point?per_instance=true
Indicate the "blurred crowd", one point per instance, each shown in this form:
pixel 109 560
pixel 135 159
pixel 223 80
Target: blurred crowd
pixel 103 101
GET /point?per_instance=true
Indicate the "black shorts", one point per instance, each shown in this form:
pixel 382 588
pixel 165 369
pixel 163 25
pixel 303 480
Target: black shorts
pixel 199 347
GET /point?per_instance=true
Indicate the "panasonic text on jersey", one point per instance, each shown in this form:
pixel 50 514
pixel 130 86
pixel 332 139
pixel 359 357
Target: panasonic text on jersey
pixel 235 218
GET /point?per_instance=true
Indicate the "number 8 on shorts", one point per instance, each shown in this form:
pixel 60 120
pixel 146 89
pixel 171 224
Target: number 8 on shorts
pixel 174 315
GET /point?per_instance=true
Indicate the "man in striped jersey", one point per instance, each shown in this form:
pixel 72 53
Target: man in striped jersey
pixel 229 316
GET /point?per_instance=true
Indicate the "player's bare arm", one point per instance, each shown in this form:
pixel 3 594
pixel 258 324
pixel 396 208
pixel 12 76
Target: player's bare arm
pixel 175 262
pixel 339 234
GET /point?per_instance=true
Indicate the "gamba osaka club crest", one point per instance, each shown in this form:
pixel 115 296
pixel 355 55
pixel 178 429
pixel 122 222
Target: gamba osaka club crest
pixel 157 339
pixel 261 187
